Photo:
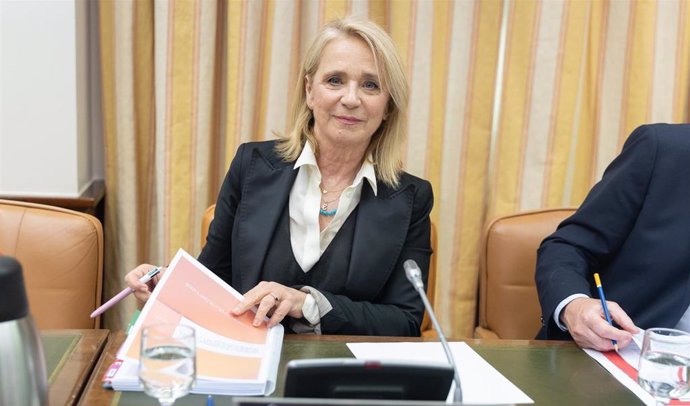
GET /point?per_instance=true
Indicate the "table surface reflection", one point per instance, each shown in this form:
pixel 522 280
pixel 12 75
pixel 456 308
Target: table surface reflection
pixel 550 372
pixel 71 356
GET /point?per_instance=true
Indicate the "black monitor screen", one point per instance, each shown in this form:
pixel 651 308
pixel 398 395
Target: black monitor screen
pixel 347 378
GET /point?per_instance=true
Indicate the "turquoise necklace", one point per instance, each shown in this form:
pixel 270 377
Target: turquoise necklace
pixel 323 210
pixel 327 213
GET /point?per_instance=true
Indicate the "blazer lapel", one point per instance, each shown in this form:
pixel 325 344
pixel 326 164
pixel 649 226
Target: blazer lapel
pixel 264 196
pixel 382 223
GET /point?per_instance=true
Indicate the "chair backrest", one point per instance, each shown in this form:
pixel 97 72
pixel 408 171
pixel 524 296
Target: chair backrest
pixel 427 328
pixel 61 252
pixel 508 302
pixel 206 222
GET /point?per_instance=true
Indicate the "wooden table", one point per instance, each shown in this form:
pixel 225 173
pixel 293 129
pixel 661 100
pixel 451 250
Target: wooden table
pixel 550 372
pixel 71 356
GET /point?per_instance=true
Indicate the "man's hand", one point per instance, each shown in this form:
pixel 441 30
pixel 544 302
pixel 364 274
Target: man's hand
pixel 586 322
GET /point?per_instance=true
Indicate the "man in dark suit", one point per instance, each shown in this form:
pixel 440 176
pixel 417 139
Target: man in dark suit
pixel 634 230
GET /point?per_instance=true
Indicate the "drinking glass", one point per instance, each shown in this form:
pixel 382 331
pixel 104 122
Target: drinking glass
pixel 167 367
pixel 664 364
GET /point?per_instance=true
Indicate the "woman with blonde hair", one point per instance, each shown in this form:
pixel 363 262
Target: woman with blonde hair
pixel 313 228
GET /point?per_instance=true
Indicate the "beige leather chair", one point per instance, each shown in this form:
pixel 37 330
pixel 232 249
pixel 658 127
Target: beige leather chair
pixel 427 327
pixel 206 222
pixel 61 252
pixel 508 302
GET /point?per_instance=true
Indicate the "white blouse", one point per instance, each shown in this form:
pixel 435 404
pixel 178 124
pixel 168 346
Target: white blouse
pixel 307 241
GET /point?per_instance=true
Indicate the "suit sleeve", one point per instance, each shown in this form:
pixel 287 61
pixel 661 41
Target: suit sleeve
pixel 398 310
pixel 217 253
pixel 585 242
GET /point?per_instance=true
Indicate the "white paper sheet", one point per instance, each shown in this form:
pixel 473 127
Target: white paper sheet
pixel 481 383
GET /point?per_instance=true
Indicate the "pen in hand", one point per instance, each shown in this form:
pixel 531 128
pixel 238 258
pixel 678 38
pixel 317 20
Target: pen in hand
pixel 125 292
pixel 597 281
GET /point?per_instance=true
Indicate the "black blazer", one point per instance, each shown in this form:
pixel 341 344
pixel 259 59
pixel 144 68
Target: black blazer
pixel 391 228
pixel 634 229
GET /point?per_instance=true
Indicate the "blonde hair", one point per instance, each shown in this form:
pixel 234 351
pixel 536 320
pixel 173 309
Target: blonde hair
pixel 387 142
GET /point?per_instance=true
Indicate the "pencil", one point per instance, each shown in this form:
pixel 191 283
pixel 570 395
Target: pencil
pixel 597 281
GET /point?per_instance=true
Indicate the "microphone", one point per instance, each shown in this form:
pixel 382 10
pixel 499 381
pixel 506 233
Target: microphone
pixel 414 275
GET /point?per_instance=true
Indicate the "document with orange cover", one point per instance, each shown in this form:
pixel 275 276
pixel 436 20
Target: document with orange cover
pixel 233 356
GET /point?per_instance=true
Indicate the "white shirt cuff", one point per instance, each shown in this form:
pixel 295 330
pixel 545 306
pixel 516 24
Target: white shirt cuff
pixel 315 306
pixel 310 310
pixel 561 306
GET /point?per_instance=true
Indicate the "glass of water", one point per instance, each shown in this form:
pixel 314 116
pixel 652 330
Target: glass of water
pixel 664 364
pixel 167 366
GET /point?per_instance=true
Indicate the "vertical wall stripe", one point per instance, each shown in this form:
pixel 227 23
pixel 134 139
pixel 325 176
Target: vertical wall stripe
pixel 111 282
pixel 295 60
pixel 615 75
pixel 543 100
pixel 144 120
pixel 460 299
pixel 125 143
pixel 454 154
pixel 181 121
pixel 279 83
pixel 309 23
pixel 379 12
pixel 568 102
pixel 253 51
pixel 125 126
pixel 640 66
pixel 497 100
pixel 206 112
pixel 680 94
pixel 514 106
pixel 402 27
pixel 218 134
pixel 499 104
pixel 611 148
pixel 680 97
pixel 527 103
pixel 333 9
pixel 665 60
pixel 442 18
pixel 420 92
pixel 168 103
pixel 235 48
pixel 263 69
pixel 188 237
pixel 161 29
pixel 581 167
pixel 359 8
pixel 321 12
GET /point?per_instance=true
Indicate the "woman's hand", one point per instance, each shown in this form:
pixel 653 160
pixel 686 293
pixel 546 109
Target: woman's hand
pixel 273 300
pixel 142 291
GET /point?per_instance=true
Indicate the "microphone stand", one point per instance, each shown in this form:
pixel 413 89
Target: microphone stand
pixel 414 276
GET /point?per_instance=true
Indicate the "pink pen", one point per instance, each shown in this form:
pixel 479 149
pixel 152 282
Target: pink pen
pixel 125 292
